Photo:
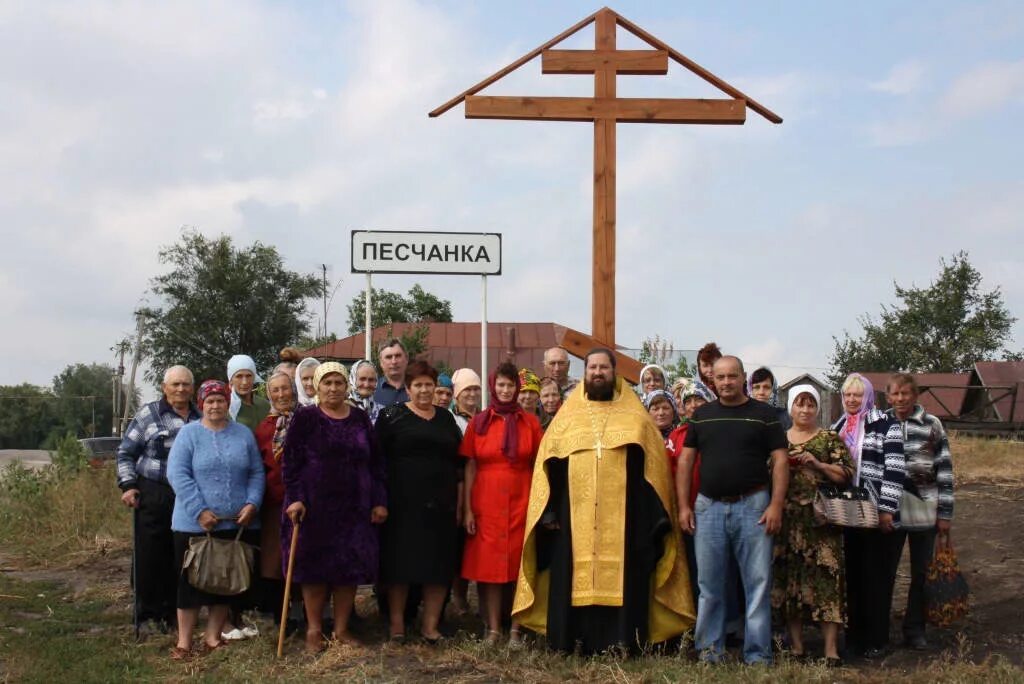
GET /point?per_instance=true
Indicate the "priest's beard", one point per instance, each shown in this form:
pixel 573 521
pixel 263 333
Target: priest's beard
pixel 602 392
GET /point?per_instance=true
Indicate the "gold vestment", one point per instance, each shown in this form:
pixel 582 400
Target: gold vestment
pixel 594 436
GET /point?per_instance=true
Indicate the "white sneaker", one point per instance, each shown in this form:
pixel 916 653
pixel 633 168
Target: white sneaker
pixel 234 635
pixel 250 631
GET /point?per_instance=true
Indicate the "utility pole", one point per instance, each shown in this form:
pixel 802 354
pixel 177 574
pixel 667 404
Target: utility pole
pixel 325 299
pixel 118 386
pixel 131 380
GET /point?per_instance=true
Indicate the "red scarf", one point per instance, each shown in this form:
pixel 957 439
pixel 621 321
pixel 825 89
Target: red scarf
pixel 510 411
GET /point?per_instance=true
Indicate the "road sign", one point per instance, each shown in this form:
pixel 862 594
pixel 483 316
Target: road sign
pixel 398 251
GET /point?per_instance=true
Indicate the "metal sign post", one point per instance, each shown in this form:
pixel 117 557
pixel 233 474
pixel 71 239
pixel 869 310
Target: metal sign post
pixel 434 253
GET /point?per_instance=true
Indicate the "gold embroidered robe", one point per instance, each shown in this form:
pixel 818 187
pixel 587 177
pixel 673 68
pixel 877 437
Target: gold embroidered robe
pixel 597 493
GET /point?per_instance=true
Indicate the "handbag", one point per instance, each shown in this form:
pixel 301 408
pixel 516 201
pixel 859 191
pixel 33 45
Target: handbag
pixel 945 589
pixel 845 506
pixel 916 513
pixel 219 566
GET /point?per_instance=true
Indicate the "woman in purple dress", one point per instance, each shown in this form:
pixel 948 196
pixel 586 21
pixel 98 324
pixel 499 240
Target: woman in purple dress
pixel 334 485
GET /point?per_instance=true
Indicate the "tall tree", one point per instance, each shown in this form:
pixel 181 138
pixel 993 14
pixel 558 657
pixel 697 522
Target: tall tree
pixel 942 328
pixel 390 307
pixel 218 300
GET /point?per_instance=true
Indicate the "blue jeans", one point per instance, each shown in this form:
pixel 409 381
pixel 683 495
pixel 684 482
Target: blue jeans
pixel 722 527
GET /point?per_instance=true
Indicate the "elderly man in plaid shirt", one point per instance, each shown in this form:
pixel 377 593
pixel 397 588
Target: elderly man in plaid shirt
pixel 142 478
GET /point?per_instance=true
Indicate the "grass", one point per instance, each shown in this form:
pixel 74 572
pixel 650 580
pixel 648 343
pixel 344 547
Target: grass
pixel 76 626
pixel 977 459
pixel 61 517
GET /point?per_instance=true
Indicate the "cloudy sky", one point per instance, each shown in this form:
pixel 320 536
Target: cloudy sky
pixel 294 123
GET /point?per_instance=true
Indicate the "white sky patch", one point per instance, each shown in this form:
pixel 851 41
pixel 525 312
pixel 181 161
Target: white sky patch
pixel 984 89
pixel 903 79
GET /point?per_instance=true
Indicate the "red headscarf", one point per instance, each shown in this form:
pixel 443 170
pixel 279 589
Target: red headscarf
pixel 510 410
pixel 212 387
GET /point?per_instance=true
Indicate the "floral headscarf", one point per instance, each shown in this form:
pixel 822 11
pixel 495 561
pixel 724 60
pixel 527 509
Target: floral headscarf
pixel 365 403
pixel 685 388
pixel 663 394
pixel 212 387
pixel 284 418
pixel 528 381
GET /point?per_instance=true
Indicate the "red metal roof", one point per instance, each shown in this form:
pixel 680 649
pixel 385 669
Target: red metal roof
pixel 941 402
pixel 1004 373
pixel 458 344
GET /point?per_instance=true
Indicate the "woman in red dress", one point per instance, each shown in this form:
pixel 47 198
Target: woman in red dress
pixel 500 446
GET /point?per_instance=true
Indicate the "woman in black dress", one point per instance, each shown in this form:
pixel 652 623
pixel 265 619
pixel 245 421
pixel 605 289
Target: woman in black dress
pixel 418 544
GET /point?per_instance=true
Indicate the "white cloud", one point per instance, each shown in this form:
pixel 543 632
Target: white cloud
pixel 983 89
pixel 904 78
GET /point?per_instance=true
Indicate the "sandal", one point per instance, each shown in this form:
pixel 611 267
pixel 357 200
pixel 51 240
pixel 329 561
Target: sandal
pixel 178 653
pixel 207 649
pixel 492 637
pixel 515 640
pixel 397 639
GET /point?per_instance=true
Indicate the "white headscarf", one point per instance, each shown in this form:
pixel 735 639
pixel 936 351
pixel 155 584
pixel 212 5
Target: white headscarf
pixel 240 362
pixel 300 393
pixel 795 392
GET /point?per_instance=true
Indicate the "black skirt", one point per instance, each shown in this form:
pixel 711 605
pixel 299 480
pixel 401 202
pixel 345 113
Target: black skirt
pixel 190 597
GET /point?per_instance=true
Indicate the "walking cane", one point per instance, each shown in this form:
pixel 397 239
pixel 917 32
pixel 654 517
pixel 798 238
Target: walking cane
pixel 287 588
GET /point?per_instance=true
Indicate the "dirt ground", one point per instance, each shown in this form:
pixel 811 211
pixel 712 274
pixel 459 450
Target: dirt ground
pixel 988 535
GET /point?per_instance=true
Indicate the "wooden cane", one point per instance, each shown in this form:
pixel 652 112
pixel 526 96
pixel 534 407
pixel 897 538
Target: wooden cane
pixel 287 588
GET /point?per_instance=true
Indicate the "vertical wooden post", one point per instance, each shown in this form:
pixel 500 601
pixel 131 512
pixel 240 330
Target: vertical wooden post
pixel 603 304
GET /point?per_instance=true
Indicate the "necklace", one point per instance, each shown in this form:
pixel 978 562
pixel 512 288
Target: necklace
pixel 598 435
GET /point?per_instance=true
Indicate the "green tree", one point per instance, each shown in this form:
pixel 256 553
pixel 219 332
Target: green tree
pixel 942 328
pixel 419 306
pixel 218 300
pixel 27 416
pixel 77 413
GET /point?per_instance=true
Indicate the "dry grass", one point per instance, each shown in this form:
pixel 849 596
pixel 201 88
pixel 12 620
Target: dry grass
pixel 978 459
pixel 51 520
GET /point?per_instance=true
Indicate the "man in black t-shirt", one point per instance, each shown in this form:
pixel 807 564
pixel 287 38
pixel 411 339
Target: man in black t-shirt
pixel 744 472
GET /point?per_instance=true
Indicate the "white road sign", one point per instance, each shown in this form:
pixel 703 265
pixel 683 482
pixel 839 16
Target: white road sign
pixel 375 251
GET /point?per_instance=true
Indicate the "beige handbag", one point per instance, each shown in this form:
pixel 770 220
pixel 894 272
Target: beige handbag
pixel 219 566
pixel 845 507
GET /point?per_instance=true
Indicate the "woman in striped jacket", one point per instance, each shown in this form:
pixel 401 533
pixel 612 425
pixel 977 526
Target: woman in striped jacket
pixel 875 442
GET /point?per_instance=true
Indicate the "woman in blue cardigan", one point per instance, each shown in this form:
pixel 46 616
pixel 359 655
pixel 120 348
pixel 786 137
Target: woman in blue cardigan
pixel 875 443
pixel 217 475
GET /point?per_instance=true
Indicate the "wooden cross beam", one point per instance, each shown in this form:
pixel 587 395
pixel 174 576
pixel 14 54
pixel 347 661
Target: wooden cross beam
pixel 605 109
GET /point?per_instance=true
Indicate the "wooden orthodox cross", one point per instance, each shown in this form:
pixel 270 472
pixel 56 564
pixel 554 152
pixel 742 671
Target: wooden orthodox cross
pixel 605 62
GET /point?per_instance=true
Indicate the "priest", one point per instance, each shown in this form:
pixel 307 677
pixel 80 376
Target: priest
pixel 603 566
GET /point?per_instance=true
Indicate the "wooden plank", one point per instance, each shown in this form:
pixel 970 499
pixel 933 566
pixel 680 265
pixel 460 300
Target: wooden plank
pixel 697 69
pixel 498 75
pixel 623 109
pixel 578 344
pixel 630 62
pixel 603 267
